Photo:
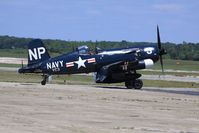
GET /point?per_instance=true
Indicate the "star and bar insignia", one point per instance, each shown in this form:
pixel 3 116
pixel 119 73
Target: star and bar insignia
pixel 80 62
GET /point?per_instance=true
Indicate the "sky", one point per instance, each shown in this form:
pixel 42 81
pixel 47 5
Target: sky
pixel 108 20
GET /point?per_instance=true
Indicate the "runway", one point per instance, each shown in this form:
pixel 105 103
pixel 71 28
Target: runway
pixel 27 108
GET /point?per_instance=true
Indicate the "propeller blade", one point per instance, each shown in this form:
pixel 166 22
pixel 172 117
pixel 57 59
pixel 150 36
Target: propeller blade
pixel 161 51
pixel 158 38
pixel 161 62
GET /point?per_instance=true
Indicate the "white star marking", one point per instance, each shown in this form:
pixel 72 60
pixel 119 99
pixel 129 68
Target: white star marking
pixel 80 63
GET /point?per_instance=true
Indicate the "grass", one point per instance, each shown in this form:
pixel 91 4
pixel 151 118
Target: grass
pixel 8 76
pixel 178 65
pixel 10 65
pixel 85 80
pixel 175 84
pixel 17 53
pixel 180 74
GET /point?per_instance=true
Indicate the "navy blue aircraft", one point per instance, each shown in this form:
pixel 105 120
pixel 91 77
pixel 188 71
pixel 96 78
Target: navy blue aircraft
pixel 108 66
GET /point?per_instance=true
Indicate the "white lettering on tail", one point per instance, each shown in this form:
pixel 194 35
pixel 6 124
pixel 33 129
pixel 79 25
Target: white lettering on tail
pixel 36 53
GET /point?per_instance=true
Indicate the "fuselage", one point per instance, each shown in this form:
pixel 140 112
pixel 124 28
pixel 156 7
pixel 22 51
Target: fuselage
pixel 77 62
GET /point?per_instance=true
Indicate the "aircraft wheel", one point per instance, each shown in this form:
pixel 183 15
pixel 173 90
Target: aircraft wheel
pixel 129 84
pixel 43 82
pixel 138 84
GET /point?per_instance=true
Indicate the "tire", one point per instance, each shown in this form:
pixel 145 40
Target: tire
pixel 129 84
pixel 138 84
pixel 43 82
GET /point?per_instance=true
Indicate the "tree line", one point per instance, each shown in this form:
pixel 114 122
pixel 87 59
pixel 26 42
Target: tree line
pixel 183 51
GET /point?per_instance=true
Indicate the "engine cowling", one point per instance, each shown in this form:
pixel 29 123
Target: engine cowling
pixel 147 63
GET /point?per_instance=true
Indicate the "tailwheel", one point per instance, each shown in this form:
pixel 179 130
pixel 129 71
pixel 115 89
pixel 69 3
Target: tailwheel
pixel 43 82
pixel 136 84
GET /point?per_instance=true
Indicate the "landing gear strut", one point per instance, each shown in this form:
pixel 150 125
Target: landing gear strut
pixel 132 80
pixel 45 78
pixel 136 84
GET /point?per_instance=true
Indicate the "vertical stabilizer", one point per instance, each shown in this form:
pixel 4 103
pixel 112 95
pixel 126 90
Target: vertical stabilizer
pixel 37 52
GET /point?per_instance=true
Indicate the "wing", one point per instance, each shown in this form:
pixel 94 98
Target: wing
pixel 114 72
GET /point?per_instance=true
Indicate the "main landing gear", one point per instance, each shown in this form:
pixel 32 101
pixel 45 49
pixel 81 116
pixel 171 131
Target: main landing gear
pixel 136 84
pixel 133 81
pixel 45 78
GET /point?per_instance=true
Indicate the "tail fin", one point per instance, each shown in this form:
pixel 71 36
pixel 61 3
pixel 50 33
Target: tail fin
pixel 37 52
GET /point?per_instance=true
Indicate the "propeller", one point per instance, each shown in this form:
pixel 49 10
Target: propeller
pixel 162 51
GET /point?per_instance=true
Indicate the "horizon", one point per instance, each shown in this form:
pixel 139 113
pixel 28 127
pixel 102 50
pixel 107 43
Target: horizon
pixel 94 41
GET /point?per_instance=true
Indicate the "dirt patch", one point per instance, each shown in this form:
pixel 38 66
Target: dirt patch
pixel 88 109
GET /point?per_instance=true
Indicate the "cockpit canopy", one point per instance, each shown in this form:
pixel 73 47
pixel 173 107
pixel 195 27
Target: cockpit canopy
pixel 83 49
